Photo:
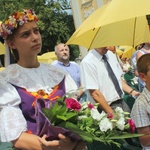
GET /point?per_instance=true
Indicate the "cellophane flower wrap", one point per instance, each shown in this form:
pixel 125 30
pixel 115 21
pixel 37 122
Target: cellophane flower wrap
pixel 86 121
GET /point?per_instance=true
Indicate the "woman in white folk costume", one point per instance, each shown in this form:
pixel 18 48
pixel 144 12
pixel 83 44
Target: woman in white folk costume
pixel 27 86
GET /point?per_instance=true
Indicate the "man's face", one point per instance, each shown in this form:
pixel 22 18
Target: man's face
pixel 112 48
pixel 62 52
pixel 102 50
pixel 146 78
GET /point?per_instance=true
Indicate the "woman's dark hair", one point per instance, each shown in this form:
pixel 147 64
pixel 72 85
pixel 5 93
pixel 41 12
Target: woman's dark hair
pixel 14 52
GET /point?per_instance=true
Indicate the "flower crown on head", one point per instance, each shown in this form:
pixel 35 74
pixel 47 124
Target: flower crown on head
pixel 18 18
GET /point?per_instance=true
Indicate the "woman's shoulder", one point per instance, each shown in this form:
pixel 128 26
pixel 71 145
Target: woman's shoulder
pixel 29 77
pixel 52 69
pixel 11 74
pixel 9 70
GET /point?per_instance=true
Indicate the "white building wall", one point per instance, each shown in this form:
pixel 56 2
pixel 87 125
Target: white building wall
pixel 81 9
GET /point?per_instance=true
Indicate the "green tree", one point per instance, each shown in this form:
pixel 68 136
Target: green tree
pixel 56 25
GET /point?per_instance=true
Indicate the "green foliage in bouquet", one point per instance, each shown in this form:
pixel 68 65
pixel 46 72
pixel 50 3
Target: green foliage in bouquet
pixel 86 121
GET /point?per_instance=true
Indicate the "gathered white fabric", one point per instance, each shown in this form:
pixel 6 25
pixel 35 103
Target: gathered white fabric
pixel 33 78
pixel 12 122
pixel 8 95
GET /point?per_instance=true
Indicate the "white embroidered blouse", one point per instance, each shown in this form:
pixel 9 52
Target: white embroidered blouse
pixel 12 122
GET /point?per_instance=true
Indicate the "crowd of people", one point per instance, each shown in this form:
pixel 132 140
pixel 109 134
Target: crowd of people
pixel 22 122
pixel 99 78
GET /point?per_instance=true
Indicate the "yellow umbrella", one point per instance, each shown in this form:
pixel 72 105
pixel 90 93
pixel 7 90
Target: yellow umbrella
pixel 2 68
pixel 2 48
pixel 44 60
pixel 127 51
pixel 49 55
pixel 119 52
pixel 120 22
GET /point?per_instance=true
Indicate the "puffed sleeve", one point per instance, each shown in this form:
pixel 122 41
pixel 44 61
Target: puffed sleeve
pixel 12 122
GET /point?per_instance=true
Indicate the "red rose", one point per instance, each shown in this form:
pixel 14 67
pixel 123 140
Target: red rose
pixel 110 115
pixel 132 125
pixel 90 106
pixel 72 104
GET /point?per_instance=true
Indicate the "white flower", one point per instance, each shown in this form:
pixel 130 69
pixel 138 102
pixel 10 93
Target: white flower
pixel 12 20
pixel 84 105
pixel 95 114
pixel 8 31
pixel 103 114
pixel 21 22
pixel 118 110
pixel 82 117
pixel 105 124
pixel 120 123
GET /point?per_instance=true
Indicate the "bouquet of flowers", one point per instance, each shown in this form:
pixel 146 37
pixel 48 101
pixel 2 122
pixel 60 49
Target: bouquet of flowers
pixel 86 121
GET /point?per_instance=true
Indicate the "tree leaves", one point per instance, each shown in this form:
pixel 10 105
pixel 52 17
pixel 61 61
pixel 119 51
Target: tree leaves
pixel 55 24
